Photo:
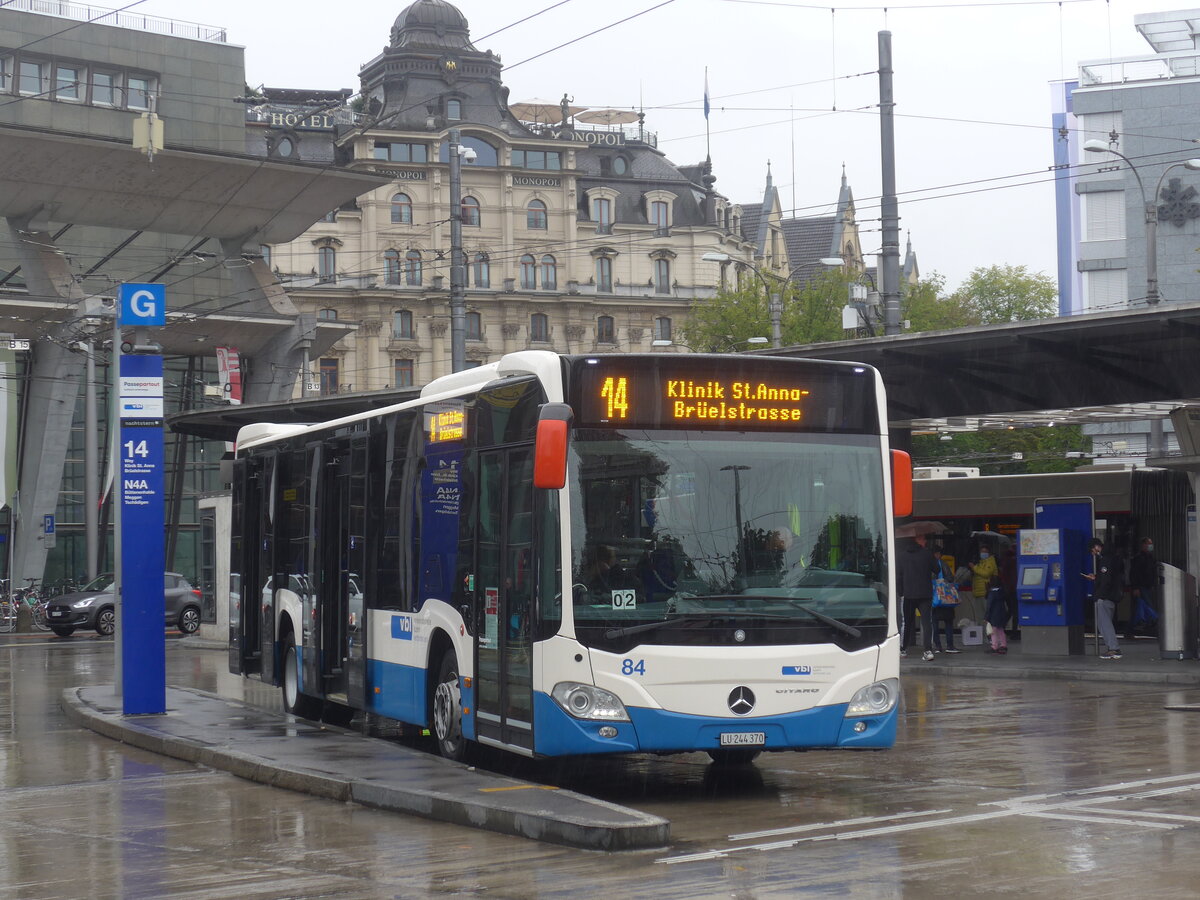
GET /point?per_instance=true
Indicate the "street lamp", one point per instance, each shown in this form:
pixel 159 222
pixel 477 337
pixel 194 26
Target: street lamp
pixel 1150 206
pixel 458 268
pixel 774 302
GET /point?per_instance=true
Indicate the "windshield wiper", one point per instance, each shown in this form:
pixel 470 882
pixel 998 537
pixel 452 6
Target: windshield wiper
pixel 820 617
pixel 828 620
pixel 688 619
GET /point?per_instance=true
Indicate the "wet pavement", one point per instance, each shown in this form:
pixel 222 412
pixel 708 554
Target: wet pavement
pixel 1076 782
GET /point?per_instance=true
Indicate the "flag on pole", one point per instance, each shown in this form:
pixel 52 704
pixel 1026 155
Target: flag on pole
pixel 706 106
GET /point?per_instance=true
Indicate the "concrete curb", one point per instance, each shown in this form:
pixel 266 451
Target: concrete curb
pixel 389 777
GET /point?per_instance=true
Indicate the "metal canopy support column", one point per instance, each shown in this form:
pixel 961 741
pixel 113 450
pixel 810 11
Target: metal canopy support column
pixel 272 375
pixel 55 375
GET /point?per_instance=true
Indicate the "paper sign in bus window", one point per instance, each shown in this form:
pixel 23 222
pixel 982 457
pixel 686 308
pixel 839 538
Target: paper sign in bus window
pixel 624 599
pixel 491 617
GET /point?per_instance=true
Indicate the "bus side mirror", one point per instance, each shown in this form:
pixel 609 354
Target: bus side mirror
pixel 550 446
pixel 902 496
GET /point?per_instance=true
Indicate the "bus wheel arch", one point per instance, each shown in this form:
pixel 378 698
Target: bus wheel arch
pixel 294 701
pixel 445 702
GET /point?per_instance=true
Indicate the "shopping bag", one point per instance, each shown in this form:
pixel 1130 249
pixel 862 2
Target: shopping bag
pixel 944 593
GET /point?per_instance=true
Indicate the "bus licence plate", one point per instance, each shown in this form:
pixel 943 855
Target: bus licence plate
pixel 736 738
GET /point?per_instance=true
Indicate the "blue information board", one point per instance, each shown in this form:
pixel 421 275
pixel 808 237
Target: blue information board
pixel 143 642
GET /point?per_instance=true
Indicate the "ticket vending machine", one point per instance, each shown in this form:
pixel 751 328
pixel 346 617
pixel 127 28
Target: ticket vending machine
pixel 1050 590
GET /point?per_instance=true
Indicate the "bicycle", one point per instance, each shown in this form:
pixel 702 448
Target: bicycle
pixel 8 617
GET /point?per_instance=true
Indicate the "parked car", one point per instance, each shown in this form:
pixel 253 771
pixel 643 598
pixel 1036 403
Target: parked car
pixel 93 608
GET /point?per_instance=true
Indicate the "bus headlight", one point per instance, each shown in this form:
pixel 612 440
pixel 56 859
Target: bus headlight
pixel 583 701
pixel 875 699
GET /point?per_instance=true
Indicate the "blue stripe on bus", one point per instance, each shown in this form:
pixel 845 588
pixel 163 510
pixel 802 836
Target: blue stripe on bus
pixel 558 734
pixel 397 691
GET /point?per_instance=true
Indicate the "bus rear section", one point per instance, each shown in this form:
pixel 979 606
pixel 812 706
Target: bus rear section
pixel 711 571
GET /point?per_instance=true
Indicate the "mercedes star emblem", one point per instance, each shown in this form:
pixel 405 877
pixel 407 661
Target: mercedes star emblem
pixel 741 701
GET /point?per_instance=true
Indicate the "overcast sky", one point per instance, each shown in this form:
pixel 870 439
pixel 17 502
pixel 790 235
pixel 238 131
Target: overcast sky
pixel 790 66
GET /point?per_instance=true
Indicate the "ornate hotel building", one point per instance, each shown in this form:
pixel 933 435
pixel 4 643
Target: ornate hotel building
pixel 579 235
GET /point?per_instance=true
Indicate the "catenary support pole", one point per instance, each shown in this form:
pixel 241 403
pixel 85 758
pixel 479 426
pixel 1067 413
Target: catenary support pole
pixel 890 257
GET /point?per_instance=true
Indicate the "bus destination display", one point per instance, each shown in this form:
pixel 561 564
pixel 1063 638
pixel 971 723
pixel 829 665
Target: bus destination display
pixel 755 396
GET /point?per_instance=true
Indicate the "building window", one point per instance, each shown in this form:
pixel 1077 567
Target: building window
pixel 67 84
pixel 620 165
pixel 604 282
pixel 605 333
pixel 662 276
pixel 535 215
pixel 470 211
pixel 391 267
pixel 453 110
pixel 104 88
pixel 539 327
pixel 327 315
pixel 137 93
pixel 602 213
pixel 412 268
pixel 265 252
pixel 402 325
pixel 537 159
pixel 329 376
pixel 404 372
pixel 485 153
pixel 326 264
pixel 483 271
pixel 549 273
pixel 31 77
pixel 5 74
pixel 401 209
pixel 528 272
pixel 1105 289
pixel 402 152
pixel 662 328
pixel 659 214
pixel 1104 216
pixel 474 326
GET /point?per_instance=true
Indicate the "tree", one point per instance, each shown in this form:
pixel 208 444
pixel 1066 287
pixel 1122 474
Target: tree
pixel 723 322
pixel 997 294
pixel 925 307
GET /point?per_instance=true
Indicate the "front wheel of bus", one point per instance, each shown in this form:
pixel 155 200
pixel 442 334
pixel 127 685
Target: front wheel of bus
pixel 296 703
pixel 447 710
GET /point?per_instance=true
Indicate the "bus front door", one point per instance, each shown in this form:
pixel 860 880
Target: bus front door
pixel 504 589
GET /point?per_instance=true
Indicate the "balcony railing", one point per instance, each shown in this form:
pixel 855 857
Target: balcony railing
pixel 1163 66
pixel 103 16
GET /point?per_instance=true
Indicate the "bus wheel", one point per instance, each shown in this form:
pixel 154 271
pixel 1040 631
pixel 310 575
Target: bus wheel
pixel 742 756
pixel 447 710
pixel 296 703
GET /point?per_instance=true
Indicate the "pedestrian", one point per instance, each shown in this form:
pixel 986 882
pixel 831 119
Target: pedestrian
pixel 1143 580
pixel 983 572
pixel 915 571
pixel 1107 582
pixel 945 600
pixel 997 617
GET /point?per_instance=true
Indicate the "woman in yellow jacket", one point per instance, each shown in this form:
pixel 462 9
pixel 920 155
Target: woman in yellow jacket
pixel 982 573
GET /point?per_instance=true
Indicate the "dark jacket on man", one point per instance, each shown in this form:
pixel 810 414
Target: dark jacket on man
pixel 915 570
pixel 1110 577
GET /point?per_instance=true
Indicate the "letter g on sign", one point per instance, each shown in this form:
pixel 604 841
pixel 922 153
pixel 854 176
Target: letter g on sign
pixel 142 304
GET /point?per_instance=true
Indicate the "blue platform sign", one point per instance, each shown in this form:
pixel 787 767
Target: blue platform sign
pixel 48 523
pixel 143 642
pixel 142 304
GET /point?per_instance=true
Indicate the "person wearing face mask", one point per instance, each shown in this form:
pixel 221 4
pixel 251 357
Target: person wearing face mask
pixel 1143 579
pixel 984 573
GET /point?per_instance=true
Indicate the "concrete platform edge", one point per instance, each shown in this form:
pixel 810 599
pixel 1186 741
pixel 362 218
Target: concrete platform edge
pixel 645 831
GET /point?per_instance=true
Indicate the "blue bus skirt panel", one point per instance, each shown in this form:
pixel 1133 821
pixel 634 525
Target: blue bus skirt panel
pixel 397 691
pixel 654 730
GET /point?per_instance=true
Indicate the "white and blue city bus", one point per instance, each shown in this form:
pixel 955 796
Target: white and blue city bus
pixel 581 554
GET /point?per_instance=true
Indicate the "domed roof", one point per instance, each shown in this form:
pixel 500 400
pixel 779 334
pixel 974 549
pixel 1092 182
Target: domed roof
pixel 432 23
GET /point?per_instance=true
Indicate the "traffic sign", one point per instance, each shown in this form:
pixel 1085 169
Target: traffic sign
pixel 48 524
pixel 142 304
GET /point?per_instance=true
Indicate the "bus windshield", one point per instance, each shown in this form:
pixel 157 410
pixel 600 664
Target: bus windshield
pixel 689 537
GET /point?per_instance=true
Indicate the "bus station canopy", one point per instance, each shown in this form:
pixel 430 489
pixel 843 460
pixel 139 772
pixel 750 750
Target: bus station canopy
pixel 1101 367
pixel 68 178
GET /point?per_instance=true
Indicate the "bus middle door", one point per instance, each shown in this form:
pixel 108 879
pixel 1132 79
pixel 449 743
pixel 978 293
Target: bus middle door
pixel 505 580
